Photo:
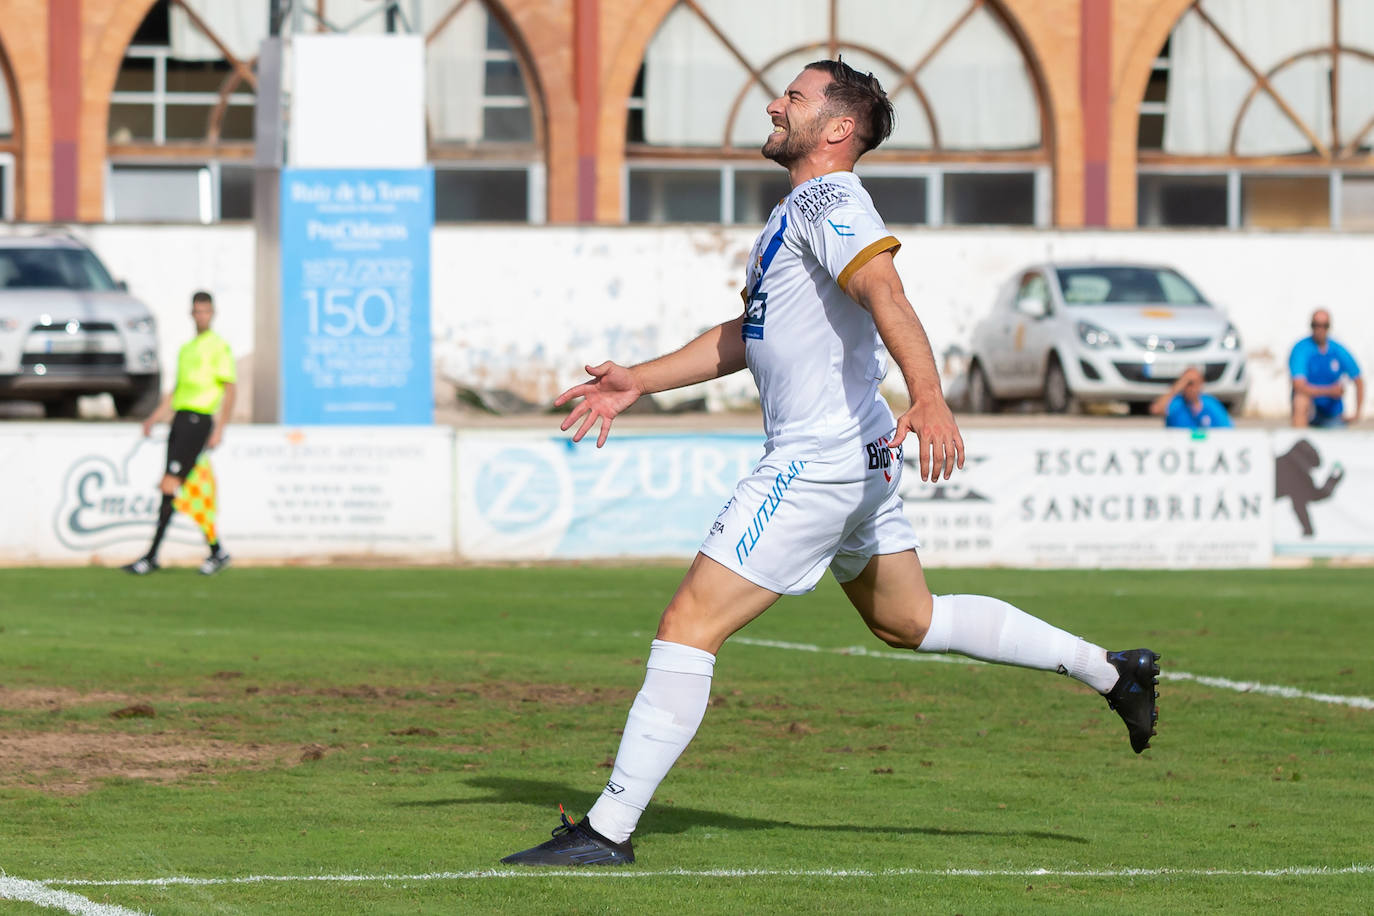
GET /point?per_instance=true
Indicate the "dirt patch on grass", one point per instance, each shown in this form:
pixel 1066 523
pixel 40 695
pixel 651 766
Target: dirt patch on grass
pixel 506 693
pixel 71 762
pixel 220 687
pixel 55 698
pixel 73 758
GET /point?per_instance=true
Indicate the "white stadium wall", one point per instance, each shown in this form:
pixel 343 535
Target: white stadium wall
pixel 524 308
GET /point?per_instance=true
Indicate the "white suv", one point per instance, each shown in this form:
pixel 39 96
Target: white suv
pixel 68 329
pixel 1073 333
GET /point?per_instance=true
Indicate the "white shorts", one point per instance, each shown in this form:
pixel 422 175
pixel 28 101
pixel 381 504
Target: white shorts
pixel 795 515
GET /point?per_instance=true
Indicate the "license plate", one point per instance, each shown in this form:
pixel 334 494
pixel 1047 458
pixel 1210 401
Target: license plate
pixel 1166 368
pixel 74 343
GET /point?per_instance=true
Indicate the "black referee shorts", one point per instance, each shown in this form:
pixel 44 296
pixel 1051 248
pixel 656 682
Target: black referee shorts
pixel 186 441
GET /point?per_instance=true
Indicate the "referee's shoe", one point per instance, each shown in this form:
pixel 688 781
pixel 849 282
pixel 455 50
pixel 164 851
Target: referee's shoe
pixel 574 843
pixel 143 566
pixel 216 561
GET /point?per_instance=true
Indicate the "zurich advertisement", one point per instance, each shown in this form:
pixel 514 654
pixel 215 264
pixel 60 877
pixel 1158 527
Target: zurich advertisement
pixel 539 496
pixel 355 274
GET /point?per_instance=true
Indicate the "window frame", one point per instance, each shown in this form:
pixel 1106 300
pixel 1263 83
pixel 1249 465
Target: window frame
pixel 933 173
pixel 1236 173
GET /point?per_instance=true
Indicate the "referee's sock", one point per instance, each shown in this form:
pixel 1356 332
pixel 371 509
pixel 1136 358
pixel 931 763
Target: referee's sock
pixel 993 631
pixel 164 517
pixel 662 721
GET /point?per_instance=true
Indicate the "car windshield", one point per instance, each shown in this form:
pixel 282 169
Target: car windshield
pixel 52 268
pixel 1126 286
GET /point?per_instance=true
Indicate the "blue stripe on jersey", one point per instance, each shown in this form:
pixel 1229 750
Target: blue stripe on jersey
pixel 755 307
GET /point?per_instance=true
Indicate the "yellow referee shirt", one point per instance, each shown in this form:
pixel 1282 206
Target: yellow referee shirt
pixel 204 367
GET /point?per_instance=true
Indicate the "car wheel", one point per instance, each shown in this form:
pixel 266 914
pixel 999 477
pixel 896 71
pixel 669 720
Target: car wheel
pixel 141 400
pixel 64 408
pixel 1058 397
pixel 980 397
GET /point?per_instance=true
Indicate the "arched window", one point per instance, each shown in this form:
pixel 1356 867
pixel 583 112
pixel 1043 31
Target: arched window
pixel 181 115
pixel 968 145
pixel 1260 113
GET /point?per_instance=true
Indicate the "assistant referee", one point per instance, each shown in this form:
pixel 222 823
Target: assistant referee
pixel 205 384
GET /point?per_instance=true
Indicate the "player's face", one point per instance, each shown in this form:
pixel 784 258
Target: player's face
pixel 202 313
pixel 798 119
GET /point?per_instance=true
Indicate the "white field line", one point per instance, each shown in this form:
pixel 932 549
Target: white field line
pixel 1274 690
pixel 627 873
pixel 40 893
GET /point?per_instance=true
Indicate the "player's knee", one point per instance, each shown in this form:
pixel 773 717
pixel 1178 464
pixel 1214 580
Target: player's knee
pixel 904 634
pixel 681 621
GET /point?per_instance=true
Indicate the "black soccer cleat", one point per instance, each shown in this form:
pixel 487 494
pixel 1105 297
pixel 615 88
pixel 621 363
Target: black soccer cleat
pixel 1134 695
pixel 143 566
pixel 574 844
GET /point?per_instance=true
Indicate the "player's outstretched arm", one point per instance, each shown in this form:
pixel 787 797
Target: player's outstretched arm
pixel 613 388
pixel 876 287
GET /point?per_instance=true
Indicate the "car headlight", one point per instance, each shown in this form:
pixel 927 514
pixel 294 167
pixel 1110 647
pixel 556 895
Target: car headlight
pixel 1095 337
pixel 144 325
pixel 1231 339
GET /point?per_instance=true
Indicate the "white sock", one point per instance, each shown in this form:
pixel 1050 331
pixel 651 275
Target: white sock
pixel 993 631
pixel 662 721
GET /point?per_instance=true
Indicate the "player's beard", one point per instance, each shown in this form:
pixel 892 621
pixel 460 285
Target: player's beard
pixel 794 144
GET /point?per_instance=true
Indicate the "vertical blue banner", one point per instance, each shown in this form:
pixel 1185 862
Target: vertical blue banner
pixel 355 327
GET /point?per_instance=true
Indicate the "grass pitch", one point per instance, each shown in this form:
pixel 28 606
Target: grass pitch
pixel 395 732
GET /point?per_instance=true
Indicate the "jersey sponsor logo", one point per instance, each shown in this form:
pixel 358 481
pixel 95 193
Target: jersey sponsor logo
pixel 841 229
pixel 754 312
pixel 818 201
pixel 882 456
pixel 750 539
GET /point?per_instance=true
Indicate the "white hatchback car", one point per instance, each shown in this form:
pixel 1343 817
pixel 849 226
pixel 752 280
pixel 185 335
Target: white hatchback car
pixel 68 329
pixel 1074 333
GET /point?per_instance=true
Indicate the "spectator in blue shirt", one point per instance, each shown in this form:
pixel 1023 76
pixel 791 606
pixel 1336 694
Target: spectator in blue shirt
pixel 1184 405
pixel 1319 367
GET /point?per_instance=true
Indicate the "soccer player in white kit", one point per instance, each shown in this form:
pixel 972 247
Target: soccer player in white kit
pixel 821 299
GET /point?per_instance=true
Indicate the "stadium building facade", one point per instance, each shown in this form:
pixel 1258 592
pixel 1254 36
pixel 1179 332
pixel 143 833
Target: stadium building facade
pixel 1050 113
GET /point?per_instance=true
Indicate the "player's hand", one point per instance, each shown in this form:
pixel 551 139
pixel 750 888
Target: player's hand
pixel 612 389
pixel 937 436
pixel 216 435
pixel 147 427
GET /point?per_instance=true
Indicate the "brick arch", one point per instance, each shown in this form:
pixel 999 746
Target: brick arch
pixel 617 79
pixel 102 55
pixel 1131 78
pixel 638 28
pixel 1059 139
pixel 19 93
pixel 543 44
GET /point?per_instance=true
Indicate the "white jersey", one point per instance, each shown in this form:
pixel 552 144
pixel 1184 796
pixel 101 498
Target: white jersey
pixel 814 352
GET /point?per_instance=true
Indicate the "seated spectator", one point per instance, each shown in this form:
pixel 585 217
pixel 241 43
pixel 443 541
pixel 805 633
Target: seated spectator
pixel 1319 367
pixel 1184 405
